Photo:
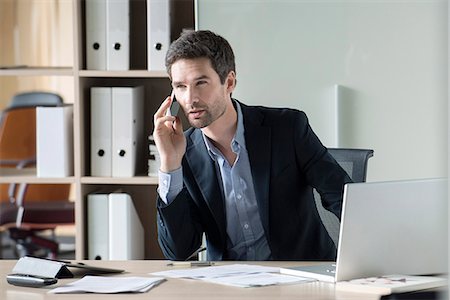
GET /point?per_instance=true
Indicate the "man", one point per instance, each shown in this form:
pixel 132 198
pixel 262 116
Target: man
pixel 242 175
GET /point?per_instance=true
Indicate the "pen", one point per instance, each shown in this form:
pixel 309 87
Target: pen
pixel 191 264
pixel 201 249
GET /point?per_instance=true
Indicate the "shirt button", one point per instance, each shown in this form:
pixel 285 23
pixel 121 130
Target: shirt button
pixel 246 226
pixel 165 182
pixel 239 196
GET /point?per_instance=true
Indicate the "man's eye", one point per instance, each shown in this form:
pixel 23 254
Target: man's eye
pixel 201 82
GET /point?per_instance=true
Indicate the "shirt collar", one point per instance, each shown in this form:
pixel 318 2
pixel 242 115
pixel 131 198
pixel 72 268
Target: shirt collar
pixel 238 140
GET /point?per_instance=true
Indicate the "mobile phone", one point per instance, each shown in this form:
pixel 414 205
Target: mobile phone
pixel 174 107
pixel 29 280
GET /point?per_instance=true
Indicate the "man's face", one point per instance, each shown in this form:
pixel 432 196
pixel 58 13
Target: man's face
pixel 199 91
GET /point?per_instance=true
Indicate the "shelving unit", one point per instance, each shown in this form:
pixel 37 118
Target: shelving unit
pixel 156 85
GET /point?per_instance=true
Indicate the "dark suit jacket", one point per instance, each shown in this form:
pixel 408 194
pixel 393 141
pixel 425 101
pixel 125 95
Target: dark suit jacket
pixel 287 160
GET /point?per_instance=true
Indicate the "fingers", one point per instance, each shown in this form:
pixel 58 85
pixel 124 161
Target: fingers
pixel 161 112
pixel 177 126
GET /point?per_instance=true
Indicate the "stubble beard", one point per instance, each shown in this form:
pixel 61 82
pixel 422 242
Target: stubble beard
pixel 209 116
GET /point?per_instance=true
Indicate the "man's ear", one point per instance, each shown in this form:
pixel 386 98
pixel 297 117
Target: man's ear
pixel 230 82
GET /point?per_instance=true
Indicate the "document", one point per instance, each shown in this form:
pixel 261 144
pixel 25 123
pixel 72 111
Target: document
pixel 217 271
pixel 240 275
pixel 258 280
pixel 109 285
pixel 388 284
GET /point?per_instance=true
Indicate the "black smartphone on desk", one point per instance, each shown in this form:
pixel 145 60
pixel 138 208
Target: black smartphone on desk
pixel 29 280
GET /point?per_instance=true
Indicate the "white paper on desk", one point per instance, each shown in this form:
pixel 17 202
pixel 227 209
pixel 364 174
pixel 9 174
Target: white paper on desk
pixel 258 280
pixel 109 285
pixel 217 271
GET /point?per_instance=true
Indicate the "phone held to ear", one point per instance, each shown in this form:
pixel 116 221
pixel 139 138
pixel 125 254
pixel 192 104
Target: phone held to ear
pixel 174 107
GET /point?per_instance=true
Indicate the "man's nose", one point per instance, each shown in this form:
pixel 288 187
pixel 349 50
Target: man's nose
pixel 191 96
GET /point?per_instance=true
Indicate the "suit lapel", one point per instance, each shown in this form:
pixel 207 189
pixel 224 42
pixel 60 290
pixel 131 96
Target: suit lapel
pixel 204 172
pixel 258 142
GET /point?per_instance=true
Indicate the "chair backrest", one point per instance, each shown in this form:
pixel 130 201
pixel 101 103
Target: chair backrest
pixel 29 99
pixel 18 134
pixel 353 161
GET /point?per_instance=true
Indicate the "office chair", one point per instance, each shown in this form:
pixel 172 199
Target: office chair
pixel 354 162
pixel 27 210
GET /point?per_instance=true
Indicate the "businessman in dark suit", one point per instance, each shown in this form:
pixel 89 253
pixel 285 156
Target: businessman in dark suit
pixel 243 175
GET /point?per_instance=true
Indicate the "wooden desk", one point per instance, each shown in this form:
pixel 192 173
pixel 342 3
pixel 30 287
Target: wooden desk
pixel 185 289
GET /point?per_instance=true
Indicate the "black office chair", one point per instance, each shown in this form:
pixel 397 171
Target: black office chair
pixel 354 162
pixel 32 99
pixel 26 210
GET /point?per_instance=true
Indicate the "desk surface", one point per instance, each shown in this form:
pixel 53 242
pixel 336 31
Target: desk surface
pixel 185 289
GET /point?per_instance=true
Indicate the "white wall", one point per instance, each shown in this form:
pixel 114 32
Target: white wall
pixel 389 57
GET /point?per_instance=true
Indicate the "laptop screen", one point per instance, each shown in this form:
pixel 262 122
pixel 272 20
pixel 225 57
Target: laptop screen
pixel 395 227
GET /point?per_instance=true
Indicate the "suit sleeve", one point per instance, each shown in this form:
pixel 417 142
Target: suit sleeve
pixel 179 229
pixel 321 170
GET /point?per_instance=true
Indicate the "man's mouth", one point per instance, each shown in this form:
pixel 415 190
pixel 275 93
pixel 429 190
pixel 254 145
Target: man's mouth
pixel 196 113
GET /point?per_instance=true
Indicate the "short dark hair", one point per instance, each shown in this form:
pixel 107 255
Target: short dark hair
pixel 203 43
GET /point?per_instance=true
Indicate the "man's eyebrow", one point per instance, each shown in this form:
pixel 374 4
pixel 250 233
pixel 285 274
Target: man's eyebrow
pixel 175 83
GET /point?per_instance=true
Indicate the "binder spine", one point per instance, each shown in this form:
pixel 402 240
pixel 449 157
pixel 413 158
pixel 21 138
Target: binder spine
pixel 158 31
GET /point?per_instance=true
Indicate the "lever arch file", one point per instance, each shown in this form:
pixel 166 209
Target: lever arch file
pixel 126 234
pixel 108 34
pixel 115 231
pixel 98 226
pixel 96 34
pixel 158 31
pixel 127 129
pixel 101 131
pixel 118 35
pixel 116 130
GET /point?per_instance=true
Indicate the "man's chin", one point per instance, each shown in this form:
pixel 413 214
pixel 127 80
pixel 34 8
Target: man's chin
pixel 198 123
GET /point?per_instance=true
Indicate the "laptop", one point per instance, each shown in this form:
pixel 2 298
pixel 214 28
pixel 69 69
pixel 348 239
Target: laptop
pixel 395 227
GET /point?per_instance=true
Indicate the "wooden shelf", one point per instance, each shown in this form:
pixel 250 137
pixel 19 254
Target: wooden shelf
pixel 137 180
pixel 37 71
pixel 156 86
pixel 124 74
pixel 10 175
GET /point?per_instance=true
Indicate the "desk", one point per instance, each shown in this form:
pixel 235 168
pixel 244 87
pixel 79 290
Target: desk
pixel 185 289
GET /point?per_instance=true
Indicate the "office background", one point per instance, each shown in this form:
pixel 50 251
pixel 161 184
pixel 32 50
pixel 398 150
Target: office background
pixel 388 57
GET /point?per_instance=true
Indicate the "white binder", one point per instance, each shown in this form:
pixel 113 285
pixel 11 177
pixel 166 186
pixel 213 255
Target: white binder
pixel 98 226
pixel 158 31
pixel 101 131
pixel 118 35
pixel 127 129
pixel 126 234
pixel 54 141
pixel 96 34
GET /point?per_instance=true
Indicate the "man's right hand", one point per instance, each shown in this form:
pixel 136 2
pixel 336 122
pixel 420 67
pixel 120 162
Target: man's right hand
pixel 169 138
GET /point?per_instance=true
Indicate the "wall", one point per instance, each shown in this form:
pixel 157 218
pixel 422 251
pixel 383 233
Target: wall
pixel 36 34
pixel 389 58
